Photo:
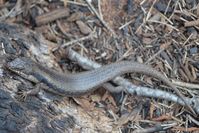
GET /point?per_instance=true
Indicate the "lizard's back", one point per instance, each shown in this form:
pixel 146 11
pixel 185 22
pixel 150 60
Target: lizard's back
pixel 75 84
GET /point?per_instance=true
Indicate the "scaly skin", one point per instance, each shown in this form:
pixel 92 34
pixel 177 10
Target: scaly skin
pixel 84 82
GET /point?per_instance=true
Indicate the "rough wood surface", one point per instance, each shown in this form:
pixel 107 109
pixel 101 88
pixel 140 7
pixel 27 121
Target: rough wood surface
pixel 47 112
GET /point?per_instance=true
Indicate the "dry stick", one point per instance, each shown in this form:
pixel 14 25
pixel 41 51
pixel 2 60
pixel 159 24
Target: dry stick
pixel 76 3
pixel 99 8
pixel 191 23
pixel 187 85
pixel 156 128
pixel 51 16
pixel 74 41
pixel 153 57
pixel 126 24
pixel 131 88
pixel 193 120
pixel 15 11
pixel 98 16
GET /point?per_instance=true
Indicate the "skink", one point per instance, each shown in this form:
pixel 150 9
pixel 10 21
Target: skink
pixel 84 82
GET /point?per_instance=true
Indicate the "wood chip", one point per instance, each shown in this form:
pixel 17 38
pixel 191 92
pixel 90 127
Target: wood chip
pixel 51 16
pixel 83 28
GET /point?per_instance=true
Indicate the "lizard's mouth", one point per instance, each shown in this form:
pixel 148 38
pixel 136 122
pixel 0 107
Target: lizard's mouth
pixel 12 67
pixel 19 65
pixel 17 69
pixel 14 70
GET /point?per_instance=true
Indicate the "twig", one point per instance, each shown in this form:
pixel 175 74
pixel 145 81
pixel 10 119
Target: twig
pixel 76 3
pixel 3 48
pixel 126 24
pixel 131 88
pixel 16 10
pixel 165 46
pixel 150 10
pixel 191 23
pixel 156 128
pixel 170 26
pixel 74 41
pixel 187 40
pixel 153 57
pixel 99 8
pixel 193 120
pixel 167 7
pixel 51 16
pixel 187 85
pixel 98 16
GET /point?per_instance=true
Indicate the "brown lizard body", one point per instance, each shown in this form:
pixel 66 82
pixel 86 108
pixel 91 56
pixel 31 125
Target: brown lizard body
pixel 84 82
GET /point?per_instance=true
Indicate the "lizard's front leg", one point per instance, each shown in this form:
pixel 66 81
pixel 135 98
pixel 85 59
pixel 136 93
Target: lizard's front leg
pixel 21 95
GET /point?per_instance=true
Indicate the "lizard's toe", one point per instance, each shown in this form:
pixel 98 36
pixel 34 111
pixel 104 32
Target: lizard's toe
pixel 21 95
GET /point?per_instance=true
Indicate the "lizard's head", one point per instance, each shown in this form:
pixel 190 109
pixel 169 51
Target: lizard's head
pixel 23 64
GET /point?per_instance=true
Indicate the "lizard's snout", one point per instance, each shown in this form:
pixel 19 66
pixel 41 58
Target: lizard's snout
pixel 19 64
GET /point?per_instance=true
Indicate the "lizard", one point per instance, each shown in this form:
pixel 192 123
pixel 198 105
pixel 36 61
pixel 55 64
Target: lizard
pixel 68 84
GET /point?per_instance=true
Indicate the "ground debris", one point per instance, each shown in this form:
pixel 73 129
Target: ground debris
pixel 161 33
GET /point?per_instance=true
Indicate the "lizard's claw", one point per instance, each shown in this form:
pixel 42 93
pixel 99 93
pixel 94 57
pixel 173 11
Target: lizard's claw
pixel 21 95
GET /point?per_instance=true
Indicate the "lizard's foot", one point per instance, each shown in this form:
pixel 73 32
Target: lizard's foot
pixel 21 95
